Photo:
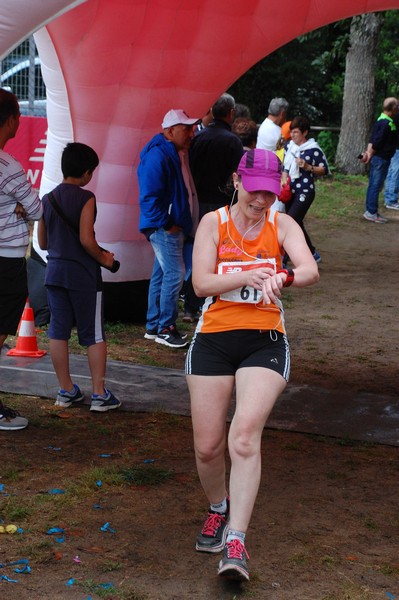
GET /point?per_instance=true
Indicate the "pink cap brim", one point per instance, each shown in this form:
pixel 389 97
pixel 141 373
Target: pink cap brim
pixel 265 184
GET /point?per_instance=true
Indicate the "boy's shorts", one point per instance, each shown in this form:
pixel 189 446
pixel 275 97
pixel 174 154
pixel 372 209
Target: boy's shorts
pixel 13 293
pixel 225 352
pixel 72 307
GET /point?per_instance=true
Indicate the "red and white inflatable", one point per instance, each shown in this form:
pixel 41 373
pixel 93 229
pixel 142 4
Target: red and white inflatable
pixel 113 68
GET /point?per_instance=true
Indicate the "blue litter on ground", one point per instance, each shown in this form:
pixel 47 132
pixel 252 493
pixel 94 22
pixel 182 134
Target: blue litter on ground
pixel 106 527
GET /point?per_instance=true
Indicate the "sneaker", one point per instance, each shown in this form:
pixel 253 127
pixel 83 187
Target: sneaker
pixel 10 419
pixel 376 218
pixel 171 337
pixel 214 532
pixel 66 399
pixel 393 205
pixel 317 257
pixel 103 403
pixel 190 317
pixel 151 334
pixel 233 565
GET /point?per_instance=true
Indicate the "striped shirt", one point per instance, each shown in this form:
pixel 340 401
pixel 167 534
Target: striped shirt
pixel 14 187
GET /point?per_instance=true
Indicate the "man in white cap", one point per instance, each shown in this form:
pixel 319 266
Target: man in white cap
pixel 168 216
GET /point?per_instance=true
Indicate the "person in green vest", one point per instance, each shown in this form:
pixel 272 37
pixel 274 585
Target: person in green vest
pixel 380 150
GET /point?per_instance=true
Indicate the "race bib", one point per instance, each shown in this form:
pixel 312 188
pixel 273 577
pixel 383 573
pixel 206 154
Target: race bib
pixel 246 294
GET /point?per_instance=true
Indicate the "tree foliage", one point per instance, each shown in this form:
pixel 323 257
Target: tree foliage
pixel 309 72
pixel 306 71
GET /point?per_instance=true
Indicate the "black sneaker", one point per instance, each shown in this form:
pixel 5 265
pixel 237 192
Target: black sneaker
pixel 233 565
pixel 66 399
pixel 214 532
pixel 171 337
pixel 104 403
pixel 10 419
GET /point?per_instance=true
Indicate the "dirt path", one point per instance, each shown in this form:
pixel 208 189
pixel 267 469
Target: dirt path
pixel 344 332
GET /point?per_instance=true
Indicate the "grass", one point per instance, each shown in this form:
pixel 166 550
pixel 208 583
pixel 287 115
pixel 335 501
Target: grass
pixel 14 510
pixel 145 475
pixel 339 198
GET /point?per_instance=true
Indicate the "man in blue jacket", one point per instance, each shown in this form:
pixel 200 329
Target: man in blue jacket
pixel 166 220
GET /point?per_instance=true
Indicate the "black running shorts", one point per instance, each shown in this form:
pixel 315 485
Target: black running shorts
pixel 225 352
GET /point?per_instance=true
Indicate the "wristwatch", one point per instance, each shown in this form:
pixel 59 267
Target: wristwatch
pixel 290 276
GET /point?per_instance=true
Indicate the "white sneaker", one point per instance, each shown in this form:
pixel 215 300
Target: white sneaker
pixel 10 419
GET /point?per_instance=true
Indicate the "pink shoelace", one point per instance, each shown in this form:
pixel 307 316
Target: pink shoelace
pixel 235 549
pixel 212 523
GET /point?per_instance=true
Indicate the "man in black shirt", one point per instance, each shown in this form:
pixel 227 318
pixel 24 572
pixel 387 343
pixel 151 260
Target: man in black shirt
pixel 214 155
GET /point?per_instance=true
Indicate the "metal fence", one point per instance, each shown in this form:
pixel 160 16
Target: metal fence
pixel 21 74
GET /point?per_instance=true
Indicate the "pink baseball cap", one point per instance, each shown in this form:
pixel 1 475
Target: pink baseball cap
pixel 260 170
pixel 177 116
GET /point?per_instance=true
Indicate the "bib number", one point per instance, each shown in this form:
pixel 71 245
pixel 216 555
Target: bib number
pixel 246 294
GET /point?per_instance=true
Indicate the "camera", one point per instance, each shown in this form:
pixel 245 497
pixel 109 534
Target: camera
pixel 115 266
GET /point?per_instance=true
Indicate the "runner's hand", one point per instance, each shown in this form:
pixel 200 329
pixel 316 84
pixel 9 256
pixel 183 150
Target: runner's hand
pixel 256 277
pixel 271 288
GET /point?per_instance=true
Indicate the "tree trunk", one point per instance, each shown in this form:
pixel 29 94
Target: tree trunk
pixel 358 101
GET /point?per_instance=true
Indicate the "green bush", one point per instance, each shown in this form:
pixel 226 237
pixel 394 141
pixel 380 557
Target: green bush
pixel 328 141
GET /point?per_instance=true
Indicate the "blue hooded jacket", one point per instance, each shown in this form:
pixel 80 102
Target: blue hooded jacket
pixel 163 194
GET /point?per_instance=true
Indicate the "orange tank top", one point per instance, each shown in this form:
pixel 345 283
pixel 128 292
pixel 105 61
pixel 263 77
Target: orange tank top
pixel 243 308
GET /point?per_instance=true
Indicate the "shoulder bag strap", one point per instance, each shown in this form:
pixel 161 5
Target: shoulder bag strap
pixel 60 212
pixel 63 216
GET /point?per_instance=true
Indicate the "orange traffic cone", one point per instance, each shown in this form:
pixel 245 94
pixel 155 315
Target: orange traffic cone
pixel 27 305
pixel 26 342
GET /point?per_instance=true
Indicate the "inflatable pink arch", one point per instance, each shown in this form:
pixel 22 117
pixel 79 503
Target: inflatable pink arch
pixel 114 68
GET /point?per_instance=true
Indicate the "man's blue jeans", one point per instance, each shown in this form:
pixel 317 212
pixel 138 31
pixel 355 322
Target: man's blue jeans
pixel 166 279
pixel 392 180
pixel 378 172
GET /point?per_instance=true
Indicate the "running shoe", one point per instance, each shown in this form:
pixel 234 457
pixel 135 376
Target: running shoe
pixel 214 532
pixel 10 419
pixel 103 403
pixel 66 399
pixel 151 334
pixel 169 336
pixel 393 205
pixel 233 564
pixel 317 257
pixel 376 218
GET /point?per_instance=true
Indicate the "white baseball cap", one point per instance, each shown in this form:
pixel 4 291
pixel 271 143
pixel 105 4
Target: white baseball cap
pixel 177 117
